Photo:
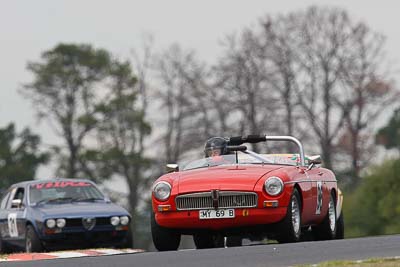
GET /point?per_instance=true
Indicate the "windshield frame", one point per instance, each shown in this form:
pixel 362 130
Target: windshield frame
pixel 288 159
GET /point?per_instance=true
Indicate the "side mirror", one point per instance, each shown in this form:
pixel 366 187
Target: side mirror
pixel 314 160
pixel 16 203
pixel 172 167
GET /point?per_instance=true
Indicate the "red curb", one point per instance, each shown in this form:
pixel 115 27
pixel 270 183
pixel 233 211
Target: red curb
pixel 30 257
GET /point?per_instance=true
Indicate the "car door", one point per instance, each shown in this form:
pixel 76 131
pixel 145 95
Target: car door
pixel 323 191
pixel 16 216
pixel 316 177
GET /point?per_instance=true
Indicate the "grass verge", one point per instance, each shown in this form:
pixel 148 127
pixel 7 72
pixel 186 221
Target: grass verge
pixel 385 262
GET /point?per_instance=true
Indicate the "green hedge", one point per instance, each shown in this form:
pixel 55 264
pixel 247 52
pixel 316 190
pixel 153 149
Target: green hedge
pixel 374 207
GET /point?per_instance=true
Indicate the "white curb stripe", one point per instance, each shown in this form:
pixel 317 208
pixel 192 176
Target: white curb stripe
pixel 67 254
pixel 110 251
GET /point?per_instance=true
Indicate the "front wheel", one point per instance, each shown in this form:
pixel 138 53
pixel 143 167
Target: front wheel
pixel 290 227
pixel 32 241
pixel 164 239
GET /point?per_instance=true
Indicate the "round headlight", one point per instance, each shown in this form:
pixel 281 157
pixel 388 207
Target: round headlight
pixel 60 223
pixel 273 186
pixel 51 223
pixel 162 191
pixel 114 220
pixel 124 220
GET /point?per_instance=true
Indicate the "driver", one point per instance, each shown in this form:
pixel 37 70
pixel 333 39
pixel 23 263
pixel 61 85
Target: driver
pixel 215 146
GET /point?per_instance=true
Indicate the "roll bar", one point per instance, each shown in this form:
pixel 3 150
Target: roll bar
pixel 238 140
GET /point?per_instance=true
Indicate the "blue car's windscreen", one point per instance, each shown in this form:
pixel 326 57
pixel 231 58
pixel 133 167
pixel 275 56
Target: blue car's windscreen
pixel 63 191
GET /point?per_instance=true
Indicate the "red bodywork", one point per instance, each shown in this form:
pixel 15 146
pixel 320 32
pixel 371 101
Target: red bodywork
pixel 246 178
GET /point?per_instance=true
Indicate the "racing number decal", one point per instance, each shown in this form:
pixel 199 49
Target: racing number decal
pixel 319 198
pixel 12 225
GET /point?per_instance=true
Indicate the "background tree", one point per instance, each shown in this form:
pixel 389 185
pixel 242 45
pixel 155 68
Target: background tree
pixel 278 38
pixel 323 35
pixel 65 92
pixel 242 78
pixel 142 66
pixel 20 155
pixel 180 101
pixel 367 93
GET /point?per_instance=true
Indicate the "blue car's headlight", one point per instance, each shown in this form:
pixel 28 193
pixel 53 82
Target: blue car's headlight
pixel 115 220
pixel 124 220
pixel 51 223
pixel 61 223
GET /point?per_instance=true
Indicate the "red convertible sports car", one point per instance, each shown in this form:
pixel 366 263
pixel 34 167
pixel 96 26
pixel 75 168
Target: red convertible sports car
pixel 243 194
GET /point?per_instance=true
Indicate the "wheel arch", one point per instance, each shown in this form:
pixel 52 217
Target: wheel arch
pixel 34 226
pixel 336 201
pixel 297 186
pixel 31 223
pixel 333 190
pixel 36 240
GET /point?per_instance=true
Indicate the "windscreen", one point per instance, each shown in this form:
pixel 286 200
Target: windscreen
pixel 61 191
pixel 243 158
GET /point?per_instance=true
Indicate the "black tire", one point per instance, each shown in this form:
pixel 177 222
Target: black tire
pixel 164 239
pixel 327 229
pixel 340 227
pixel 234 241
pixel 206 240
pixel 290 227
pixel 32 241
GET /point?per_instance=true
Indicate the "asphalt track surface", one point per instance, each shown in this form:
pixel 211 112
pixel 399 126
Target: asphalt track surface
pixel 255 255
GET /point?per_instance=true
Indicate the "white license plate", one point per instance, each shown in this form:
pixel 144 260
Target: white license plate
pixel 216 214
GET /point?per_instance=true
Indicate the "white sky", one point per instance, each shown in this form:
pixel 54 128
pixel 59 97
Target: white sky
pixel 28 28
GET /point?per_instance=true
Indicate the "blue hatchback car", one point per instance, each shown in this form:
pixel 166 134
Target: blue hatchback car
pixel 61 214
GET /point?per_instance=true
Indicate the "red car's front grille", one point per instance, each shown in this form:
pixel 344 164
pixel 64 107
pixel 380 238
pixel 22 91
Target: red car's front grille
pixel 226 199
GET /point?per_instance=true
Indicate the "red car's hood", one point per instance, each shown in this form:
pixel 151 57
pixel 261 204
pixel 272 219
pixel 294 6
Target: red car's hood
pixel 232 177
